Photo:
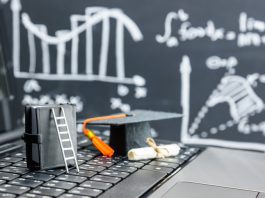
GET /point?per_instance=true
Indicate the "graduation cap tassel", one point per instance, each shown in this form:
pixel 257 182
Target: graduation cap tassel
pixel 104 148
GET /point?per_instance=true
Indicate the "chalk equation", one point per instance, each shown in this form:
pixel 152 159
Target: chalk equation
pixel 251 31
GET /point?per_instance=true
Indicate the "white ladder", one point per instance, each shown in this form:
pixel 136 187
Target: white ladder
pixel 66 132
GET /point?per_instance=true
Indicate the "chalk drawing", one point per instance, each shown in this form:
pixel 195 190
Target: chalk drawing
pixel 140 92
pixel 251 32
pixel 56 99
pixel 185 70
pixel 116 103
pixel 31 86
pixel 123 90
pixel 236 91
pixel 79 24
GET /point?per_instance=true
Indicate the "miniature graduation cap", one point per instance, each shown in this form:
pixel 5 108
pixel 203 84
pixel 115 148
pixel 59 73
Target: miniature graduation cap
pixel 132 130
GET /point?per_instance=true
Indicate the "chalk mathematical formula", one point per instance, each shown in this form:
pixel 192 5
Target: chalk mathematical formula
pixel 250 32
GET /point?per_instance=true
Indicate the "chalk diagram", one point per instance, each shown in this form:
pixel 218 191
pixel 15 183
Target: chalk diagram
pixel 79 24
pixel 69 40
pixel 237 92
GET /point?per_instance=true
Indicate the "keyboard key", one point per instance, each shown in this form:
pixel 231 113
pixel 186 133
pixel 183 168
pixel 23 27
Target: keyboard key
pixel 86 191
pixel 4 164
pixel 113 173
pixel 83 157
pixel 83 173
pixel 193 150
pixel 164 164
pixel 7 188
pixel 21 164
pixel 80 162
pixel 8 176
pixel 108 159
pixel 107 179
pixel 21 155
pixel 97 185
pixel 133 164
pixel 71 178
pixel 92 167
pixel 100 163
pixel 14 169
pixel 29 195
pixel 38 176
pixel 123 168
pixel 26 182
pixel 158 168
pixel 144 161
pixel 171 160
pixel 183 157
pixel 55 172
pixel 73 196
pixel 11 159
pixel 135 185
pixel 90 153
pixel 7 195
pixel 60 184
pixel 54 192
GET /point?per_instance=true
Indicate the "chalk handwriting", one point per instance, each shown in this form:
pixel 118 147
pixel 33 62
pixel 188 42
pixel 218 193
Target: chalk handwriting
pixel 251 32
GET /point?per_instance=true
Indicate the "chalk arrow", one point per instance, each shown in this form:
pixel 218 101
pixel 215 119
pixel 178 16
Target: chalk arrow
pixel 185 70
pixel 15 5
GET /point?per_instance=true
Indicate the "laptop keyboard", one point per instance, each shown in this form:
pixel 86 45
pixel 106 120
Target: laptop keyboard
pixel 98 176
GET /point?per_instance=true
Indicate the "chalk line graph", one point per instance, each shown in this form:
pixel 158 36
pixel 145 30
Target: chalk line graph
pixel 79 24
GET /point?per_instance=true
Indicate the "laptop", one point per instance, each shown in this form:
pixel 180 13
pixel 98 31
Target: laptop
pixel 194 172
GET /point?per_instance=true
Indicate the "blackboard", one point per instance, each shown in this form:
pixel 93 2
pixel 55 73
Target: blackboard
pixel 203 58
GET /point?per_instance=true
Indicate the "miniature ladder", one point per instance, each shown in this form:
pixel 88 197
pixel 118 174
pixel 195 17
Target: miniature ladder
pixel 63 123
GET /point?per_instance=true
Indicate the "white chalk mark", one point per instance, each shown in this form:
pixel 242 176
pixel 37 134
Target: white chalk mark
pixel 75 43
pixel 104 47
pixel 138 80
pixel 97 18
pixel 140 92
pixel 89 47
pixel 185 70
pixel 45 52
pixel 120 50
pixel 60 52
pixel 216 62
pixel 89 38
pixel 79 24
pixel 167 34
pixel 32 85
pixel 32 53
pixel 239 107
pixel 123 90
pixel 16 7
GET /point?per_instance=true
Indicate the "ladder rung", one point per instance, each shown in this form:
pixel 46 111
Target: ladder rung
pixel 67 149
pixel 69 158
pixel 65 140
pixel 59 118
pixel 61 125
pixel 63 132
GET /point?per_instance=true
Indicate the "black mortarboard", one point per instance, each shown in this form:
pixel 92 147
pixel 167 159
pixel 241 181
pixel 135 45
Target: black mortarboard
pixel 131 131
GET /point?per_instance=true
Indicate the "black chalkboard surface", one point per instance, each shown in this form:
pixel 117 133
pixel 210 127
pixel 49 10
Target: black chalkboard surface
pixel 203 58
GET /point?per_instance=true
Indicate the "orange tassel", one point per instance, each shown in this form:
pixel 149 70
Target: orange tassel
pixel 104 148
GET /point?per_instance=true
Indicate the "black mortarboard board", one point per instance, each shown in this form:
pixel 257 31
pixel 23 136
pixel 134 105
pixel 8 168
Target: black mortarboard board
pixel 132 131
